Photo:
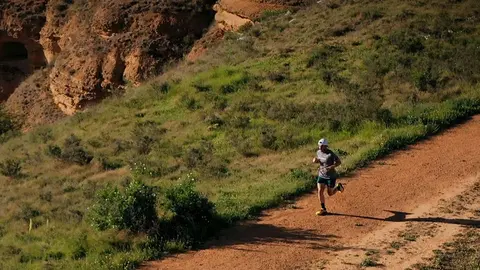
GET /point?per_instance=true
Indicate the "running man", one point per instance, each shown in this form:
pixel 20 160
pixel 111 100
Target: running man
pixel 327 175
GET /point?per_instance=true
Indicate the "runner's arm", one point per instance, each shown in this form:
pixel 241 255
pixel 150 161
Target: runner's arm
pixel 337 162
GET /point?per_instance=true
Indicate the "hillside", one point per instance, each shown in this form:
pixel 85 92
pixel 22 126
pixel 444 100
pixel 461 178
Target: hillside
pixel 79 52
pixel 242 121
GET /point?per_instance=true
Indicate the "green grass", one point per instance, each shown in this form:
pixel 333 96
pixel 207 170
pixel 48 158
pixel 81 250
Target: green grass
pixel 244 121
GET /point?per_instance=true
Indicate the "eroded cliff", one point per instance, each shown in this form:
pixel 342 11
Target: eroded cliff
pixel 94 46
pixel 87 49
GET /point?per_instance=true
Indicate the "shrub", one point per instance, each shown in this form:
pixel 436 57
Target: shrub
pixel 11 168
pixel 27 212
pixel 425 78
pixel 74 152
pixel 214 120
pixel 54 151
pixel 108 164
pixel 6 122
pixel 271 14
pixel 46 196
pixel 42 134
pixel 244 144
pixel 407 41
pixel 277 76
pixel 144 136
pixel 321 55
pixel 340 30
pixel 268 137
pixel 217 168
pixel 220 103
pixel 239 121
pixel 160 89
pixel 190 102
pixel 200 87
pixel 199 155
pixel 132 209
pixel 372 14
pixel 194 216
pixel 57 255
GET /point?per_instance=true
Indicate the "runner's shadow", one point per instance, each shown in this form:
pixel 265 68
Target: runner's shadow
pixel 402 217
pixel 266 234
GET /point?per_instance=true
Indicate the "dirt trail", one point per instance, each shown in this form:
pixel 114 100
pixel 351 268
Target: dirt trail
pixel 399 245
pixel 382 195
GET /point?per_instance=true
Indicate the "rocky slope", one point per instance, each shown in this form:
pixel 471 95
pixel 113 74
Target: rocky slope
pixel 91 48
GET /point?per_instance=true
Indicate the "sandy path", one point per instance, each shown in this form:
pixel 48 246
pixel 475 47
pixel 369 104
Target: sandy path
pixel 296 238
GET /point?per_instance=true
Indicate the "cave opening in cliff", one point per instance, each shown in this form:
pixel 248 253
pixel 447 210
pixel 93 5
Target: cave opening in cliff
pixel 13 51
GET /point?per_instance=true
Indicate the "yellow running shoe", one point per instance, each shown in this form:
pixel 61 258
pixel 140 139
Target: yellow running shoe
pixel 321 212
pixel 340 187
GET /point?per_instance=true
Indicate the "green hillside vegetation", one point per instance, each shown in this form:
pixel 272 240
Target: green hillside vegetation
pixel 160 168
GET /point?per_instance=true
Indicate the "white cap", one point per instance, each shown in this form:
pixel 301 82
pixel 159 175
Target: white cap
pixel 322 141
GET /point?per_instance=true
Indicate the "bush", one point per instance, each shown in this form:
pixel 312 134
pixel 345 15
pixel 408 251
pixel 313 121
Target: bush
pixel 239 121
pixel 190 103
pixel 132 209
pixel 27 212
pixel 6 122
pixel 407 41
pixel 425 76
pixel 243 143
pixel 144 136
pixel 160 89
pixel 214 120
pixel 74 152
pixel 194 216
pixel 42 134
pixel 199 155
pixel 11 168
pixel 217 168
pixel 54 151
pixel 200 87
pixel 372 14
pixel 108 164
pixel 268 137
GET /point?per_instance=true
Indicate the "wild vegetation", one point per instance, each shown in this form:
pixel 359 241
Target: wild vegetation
pixel 213 142
pixel 463 253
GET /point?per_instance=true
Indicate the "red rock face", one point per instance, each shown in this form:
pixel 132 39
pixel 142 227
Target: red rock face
pixel 94 47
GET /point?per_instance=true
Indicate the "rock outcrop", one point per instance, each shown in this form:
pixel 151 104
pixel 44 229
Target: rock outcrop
pixel 93 47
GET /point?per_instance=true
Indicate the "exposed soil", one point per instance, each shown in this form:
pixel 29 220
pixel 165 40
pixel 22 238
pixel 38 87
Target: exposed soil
pixel 383 195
